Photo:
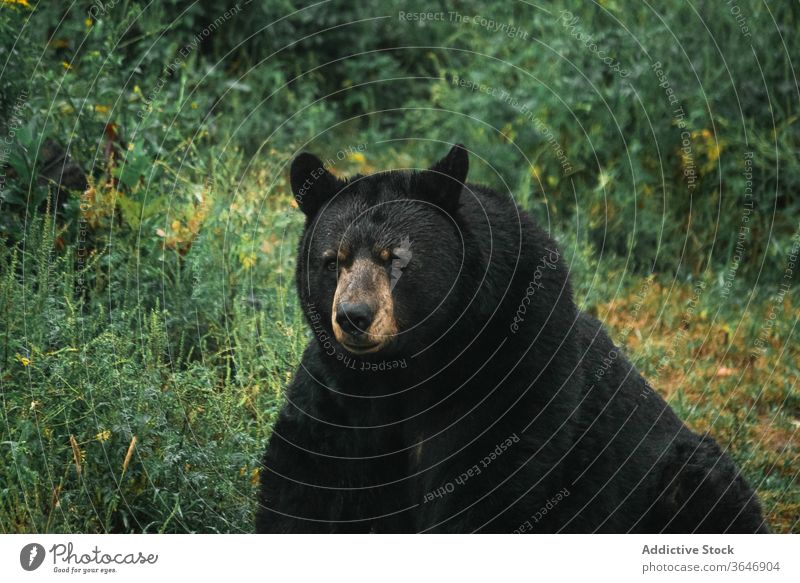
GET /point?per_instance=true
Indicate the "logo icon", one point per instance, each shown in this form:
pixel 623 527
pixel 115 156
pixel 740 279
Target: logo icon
pixel 402 257
pixel 31 556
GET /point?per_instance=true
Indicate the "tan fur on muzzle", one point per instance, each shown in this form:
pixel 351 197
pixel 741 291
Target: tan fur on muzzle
pixel 366 282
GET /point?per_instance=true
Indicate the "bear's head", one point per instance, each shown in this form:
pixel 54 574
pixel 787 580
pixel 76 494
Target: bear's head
pixel 380 254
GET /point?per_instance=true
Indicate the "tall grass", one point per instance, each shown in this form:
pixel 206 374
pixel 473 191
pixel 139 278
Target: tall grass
pixel 110 423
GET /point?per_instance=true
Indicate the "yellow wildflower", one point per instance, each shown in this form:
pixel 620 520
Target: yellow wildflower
pixel 248 261
pixel 103 435
pixel 22 360
pixel 714 152
pixel 507 134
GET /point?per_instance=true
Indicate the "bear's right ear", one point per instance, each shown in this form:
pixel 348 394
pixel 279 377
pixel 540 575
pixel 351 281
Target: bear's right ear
pixel 443 182
pixel 312 184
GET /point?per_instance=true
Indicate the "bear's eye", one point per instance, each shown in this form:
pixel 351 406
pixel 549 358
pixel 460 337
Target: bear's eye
pixel 331 264
pixel 385 256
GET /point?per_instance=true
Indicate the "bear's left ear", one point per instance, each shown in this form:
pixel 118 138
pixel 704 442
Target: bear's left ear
pixel 312 184
pixel 442 183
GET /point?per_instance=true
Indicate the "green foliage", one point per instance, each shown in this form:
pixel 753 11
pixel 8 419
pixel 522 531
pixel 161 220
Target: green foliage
pixel 77 371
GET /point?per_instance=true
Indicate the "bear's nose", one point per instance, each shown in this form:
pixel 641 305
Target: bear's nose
pixel 354 318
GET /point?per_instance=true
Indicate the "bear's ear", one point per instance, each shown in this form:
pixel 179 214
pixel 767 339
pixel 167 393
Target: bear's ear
pixel 443 182
pixel 312 184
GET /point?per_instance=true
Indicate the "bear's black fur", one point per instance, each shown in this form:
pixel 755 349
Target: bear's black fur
pixel 492 407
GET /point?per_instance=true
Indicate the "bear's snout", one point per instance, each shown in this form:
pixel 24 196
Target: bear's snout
pixel 354 318
pixel 363 309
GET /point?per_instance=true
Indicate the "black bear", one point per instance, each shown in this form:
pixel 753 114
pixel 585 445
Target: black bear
pixel 451 384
